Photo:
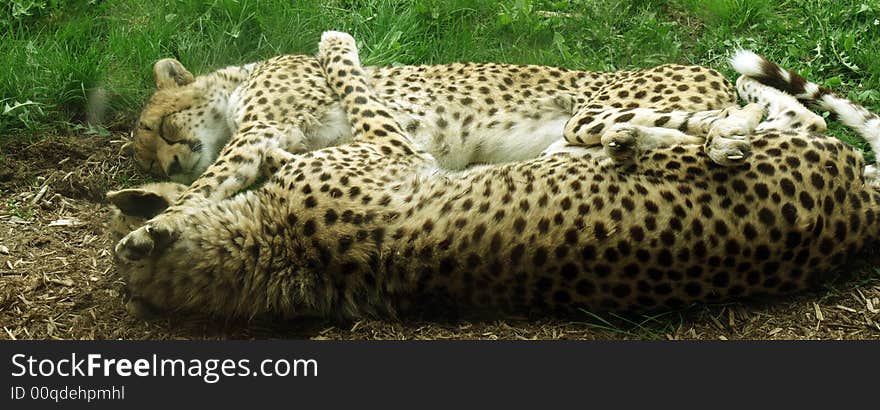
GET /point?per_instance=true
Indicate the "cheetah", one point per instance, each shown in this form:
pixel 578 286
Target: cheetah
pixel 206 130
pixel 384 235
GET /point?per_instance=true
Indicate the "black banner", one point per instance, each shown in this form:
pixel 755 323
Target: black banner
pixel 309 374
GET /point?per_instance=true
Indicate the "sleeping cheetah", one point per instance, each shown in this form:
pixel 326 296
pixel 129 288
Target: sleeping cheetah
pixel 462 114
pixel 369 228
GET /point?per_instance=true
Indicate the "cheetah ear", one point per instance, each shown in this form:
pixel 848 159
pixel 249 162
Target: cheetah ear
pixel 168 72
pixel 138 202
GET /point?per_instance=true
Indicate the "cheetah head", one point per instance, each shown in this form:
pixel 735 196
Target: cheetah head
pixel 181 129
pixel 133 208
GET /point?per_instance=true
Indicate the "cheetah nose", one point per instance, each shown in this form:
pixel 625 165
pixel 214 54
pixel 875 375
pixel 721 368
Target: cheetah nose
pixel 175 167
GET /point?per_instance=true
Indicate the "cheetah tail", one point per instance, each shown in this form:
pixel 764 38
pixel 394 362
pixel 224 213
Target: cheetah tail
pixel 769 73
pixel 864 122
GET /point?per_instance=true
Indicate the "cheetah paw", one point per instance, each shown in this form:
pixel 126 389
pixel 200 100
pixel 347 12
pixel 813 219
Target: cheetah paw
pixel 146 240
pixel 736 122
pixel 620 142
pixel 729 151
pixel 344 41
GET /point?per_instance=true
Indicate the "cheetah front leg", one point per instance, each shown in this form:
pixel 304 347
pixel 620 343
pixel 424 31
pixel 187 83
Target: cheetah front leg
pixel 244 160
pixel 373 125
pixel 641 150
pixel 588 125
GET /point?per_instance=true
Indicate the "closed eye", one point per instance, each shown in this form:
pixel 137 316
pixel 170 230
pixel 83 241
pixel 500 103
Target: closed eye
pixel 163 129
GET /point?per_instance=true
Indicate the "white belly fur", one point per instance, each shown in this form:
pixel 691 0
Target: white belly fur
pixel 527 139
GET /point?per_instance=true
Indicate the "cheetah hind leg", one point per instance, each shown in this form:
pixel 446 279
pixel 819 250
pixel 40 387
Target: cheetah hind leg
pixel 728 140
pixel 624 142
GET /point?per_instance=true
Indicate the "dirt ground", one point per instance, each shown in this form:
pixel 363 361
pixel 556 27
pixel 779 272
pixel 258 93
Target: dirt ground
pixel 58 281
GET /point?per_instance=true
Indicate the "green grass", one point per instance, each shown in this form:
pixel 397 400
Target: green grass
pixel 645 326
pixel 66 64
